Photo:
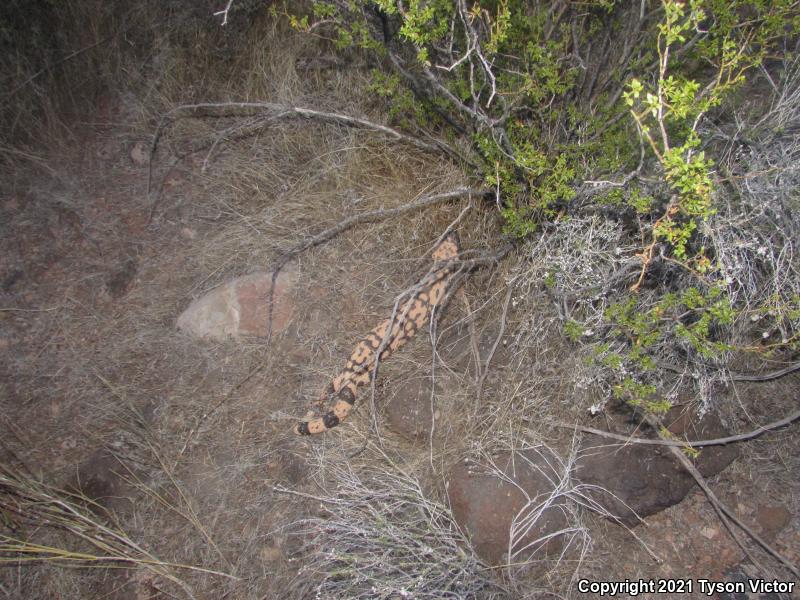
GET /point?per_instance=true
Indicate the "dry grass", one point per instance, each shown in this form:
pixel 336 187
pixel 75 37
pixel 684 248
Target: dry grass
pixel 88 370
pixel 27 501
pixel 380 534
pixel 205 458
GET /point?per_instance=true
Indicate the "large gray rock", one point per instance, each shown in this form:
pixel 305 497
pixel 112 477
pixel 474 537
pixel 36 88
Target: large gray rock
pixel 239 307
pixel 634 479
pixel 486 505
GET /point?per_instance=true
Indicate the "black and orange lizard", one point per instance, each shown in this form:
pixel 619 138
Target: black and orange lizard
pixel 410 317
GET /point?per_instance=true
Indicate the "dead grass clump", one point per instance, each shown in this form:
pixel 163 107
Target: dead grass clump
pixel 572 265
pixel 382 536
pixel 33 509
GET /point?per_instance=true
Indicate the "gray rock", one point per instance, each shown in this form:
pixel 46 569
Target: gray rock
pixel 239 308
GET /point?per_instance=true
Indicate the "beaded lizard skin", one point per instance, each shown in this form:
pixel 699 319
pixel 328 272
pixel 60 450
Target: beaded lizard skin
pixel 410 318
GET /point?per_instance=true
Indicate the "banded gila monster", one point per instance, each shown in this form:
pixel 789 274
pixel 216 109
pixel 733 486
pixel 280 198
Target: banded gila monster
pixel 410 317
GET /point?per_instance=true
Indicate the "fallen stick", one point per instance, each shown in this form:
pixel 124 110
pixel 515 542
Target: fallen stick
pixel 694 444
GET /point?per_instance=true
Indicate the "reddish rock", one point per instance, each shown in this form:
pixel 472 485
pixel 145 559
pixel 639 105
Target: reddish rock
pixel 239 308
pixel 712 459
pixel 408 410
pixel 630 480
pixel 487 505
pixel 772 520
pixel 633 479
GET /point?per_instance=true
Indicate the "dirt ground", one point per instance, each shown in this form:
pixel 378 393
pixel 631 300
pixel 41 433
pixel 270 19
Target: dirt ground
pixel 186 446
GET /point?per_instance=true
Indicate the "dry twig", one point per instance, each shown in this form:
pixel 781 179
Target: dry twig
pixel 270 111
pixel 367 217
pixel 771 376
pixel 693 444
pixel 725 513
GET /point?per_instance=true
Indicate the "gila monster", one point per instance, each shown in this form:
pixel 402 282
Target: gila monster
pixel 410 317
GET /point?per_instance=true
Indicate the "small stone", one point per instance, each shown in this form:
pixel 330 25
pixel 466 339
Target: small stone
pixel 772 519
pixel 709 532
pixel 120 281
pixel 188 233
pixel 139 154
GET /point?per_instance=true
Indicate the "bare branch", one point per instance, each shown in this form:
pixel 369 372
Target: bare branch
pixel 367 217
pixel 724 512
pixel 227 109
pixel 224 13
pixel 693 444
pixel 745 376
pixel 266 112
